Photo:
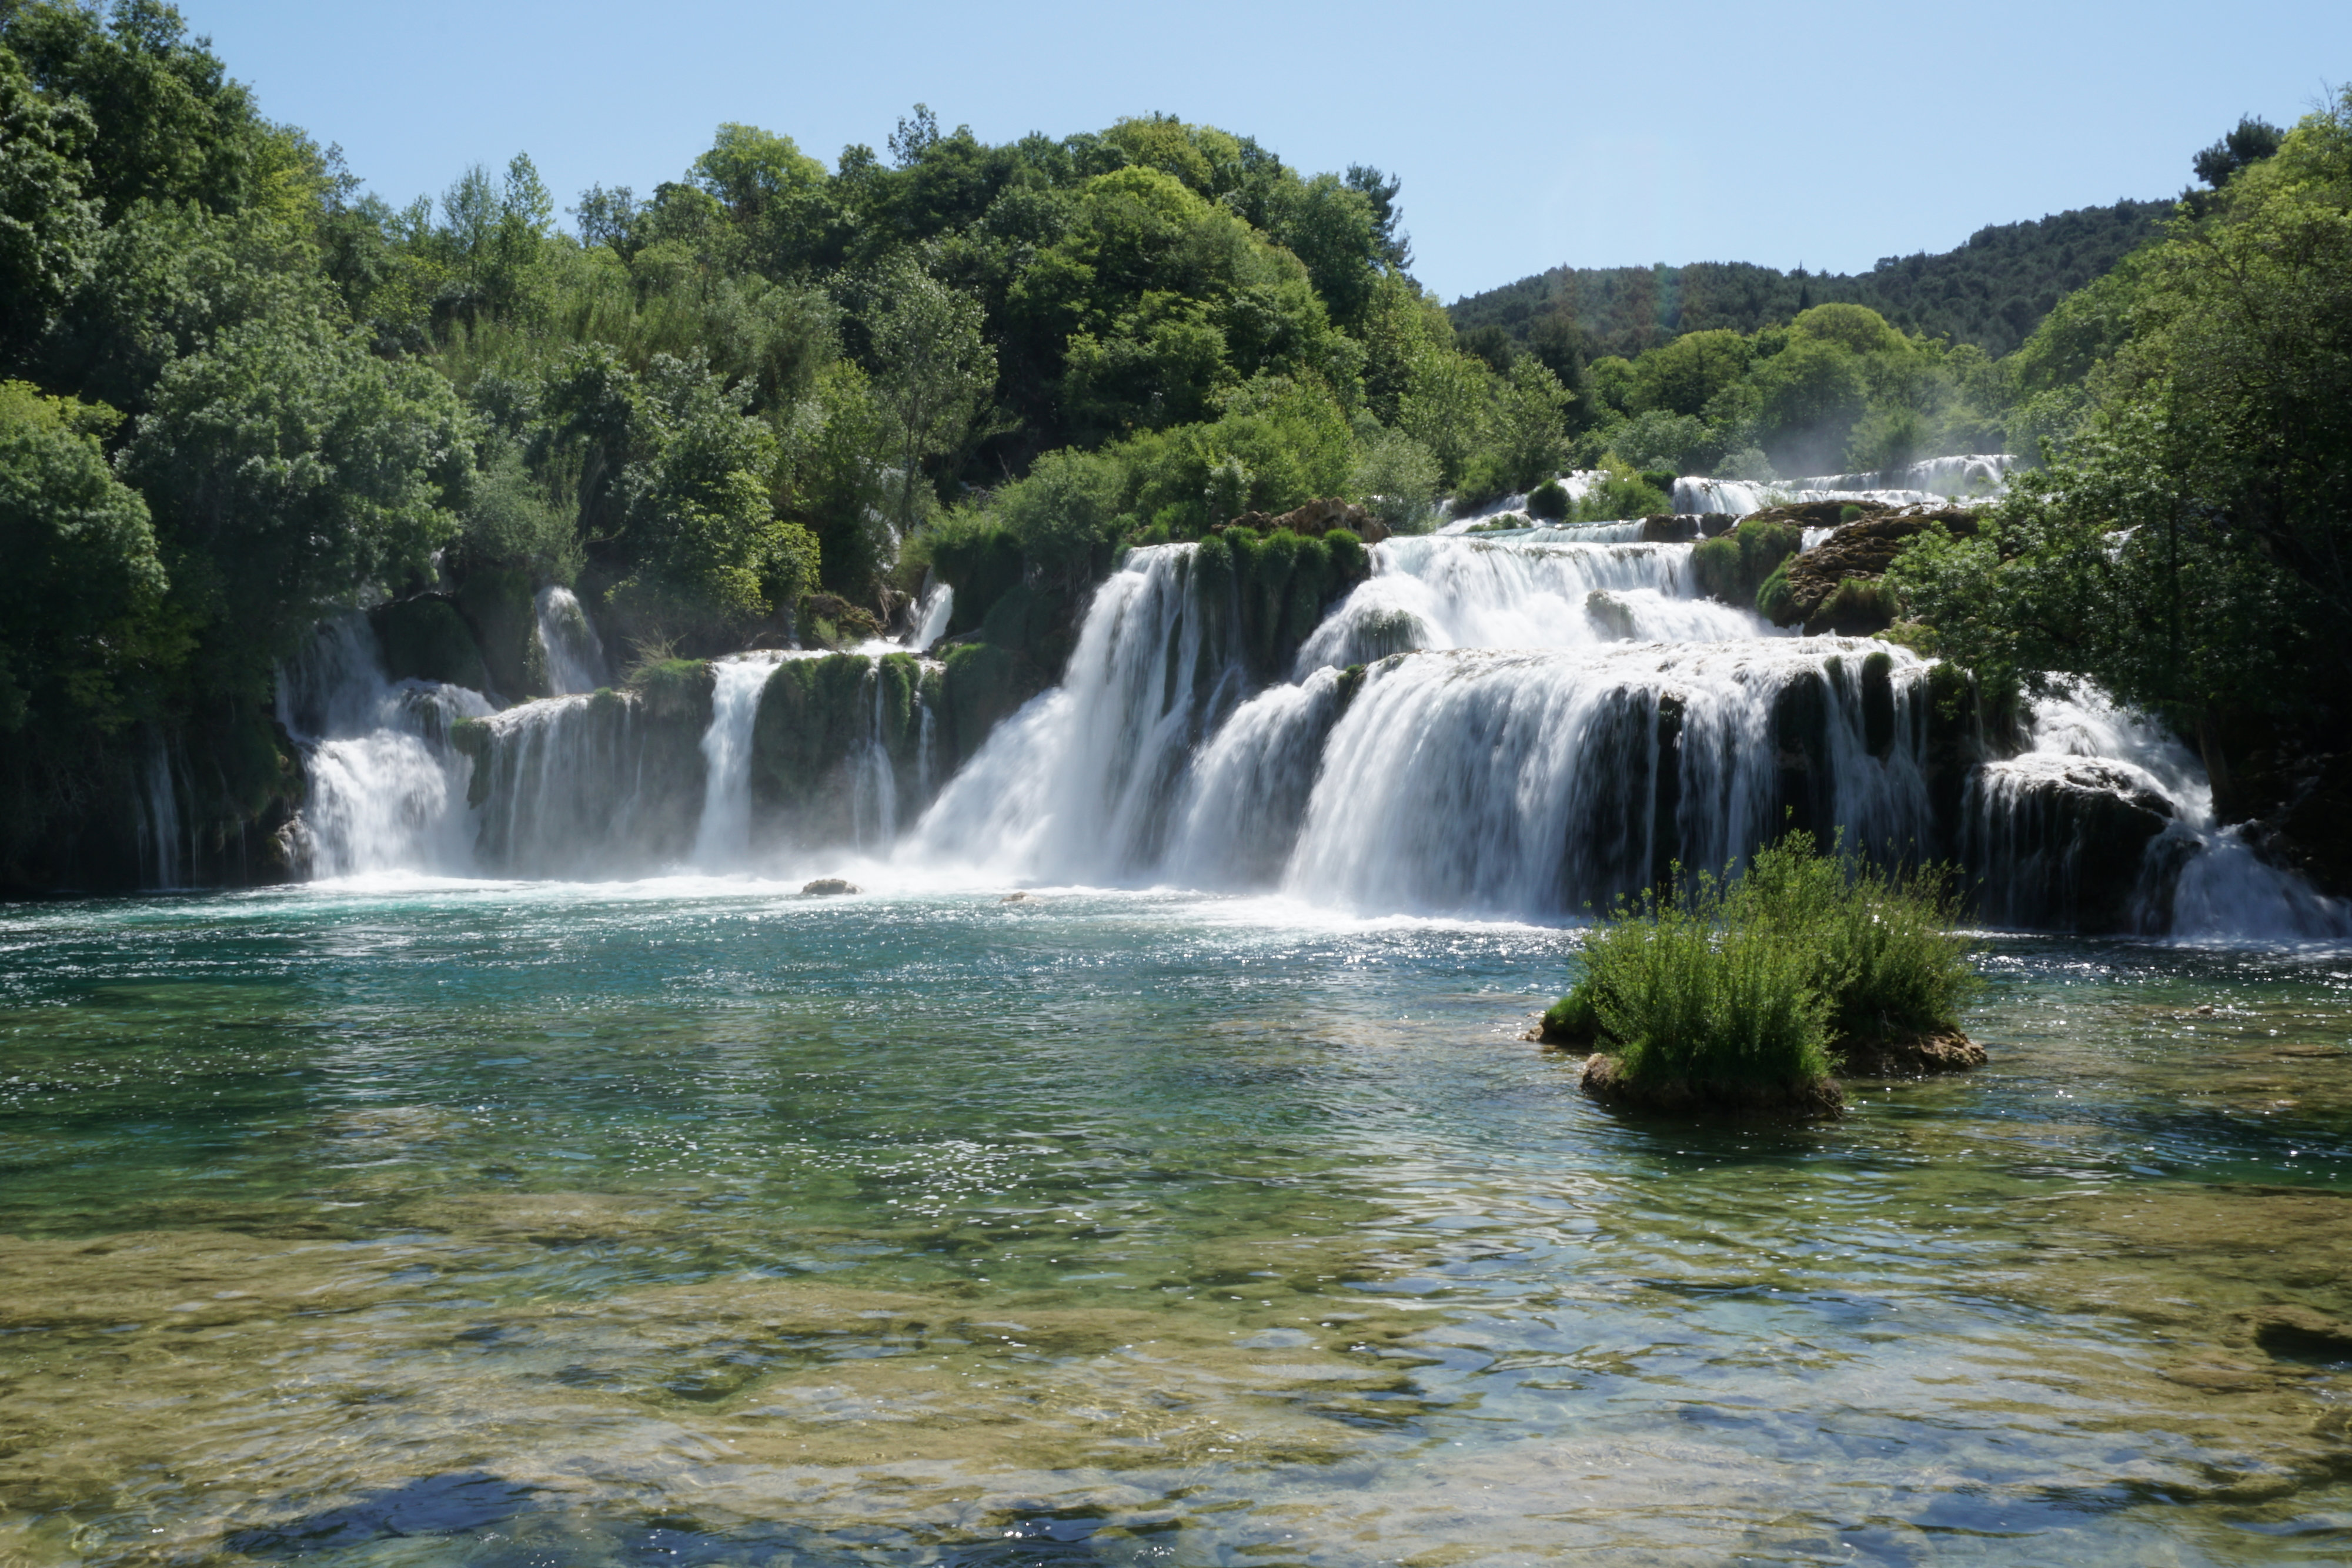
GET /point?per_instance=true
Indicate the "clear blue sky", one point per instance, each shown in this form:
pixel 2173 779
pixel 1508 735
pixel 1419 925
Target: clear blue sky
pixel 1527 135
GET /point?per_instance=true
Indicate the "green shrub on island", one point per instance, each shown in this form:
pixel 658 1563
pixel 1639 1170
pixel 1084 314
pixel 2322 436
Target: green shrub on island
pixel 1743 991
pixel 1550 501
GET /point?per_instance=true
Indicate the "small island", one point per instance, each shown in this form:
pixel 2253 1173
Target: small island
pixel 1747 992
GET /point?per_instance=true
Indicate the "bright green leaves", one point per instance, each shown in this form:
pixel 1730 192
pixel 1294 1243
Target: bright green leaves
pixel 81 589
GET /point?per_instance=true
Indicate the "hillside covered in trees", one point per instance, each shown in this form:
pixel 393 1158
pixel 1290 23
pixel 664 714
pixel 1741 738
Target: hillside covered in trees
pixel 1990 292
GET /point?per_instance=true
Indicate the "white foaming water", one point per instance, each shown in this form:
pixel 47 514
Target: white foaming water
pixel 1073 786
pixel 1522 724
pixel 160 865
pixel 1564 778
pixel 1929 480
pixel 387 791
pixel 569 649
pixel 723 838
pixel 1456 592
pixel 1529 780
pixel 2202 879
pixel 932 616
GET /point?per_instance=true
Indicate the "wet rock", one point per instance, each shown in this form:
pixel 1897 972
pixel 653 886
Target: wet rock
pixel 1908 1056
pixel 1835 587
pixel 1611 616
pixel 2061 840
pixel 425 639
pixel 1015 898
pixel 830 886
pixel 1605 1082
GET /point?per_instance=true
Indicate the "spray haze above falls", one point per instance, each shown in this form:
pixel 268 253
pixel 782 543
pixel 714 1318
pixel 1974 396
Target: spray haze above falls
pixel 1504 719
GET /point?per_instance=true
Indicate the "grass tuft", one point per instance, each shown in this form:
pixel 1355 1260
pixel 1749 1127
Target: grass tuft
pixel 1734 985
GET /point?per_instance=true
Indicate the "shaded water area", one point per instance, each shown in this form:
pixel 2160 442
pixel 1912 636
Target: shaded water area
pixel 695 1221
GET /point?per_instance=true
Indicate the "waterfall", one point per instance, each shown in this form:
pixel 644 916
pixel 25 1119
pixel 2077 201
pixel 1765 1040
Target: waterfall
pixel 158 815
pixel 723 836
pixel 1451 592
pixel 2038 825
pixel 873 783
pixel 386 788
pixel 932 616
pixel 1534 726
pixel 1933 479
pixel 1076 786
pixel 566 644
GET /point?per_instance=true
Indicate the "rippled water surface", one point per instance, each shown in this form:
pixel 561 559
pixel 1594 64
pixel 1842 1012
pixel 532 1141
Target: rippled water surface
pixel 712 1223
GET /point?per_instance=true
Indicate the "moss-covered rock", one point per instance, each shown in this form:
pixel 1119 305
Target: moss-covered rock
pixel 1732 567
pixel 427 639
pixel 829 620
pixel 1836 587
pixel 674 689
pixel 496 602
pixel 814 740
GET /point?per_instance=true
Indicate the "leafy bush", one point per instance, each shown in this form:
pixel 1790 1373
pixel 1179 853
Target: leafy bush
pixel 1550 501
pixel 1749 983
pixel 1620 493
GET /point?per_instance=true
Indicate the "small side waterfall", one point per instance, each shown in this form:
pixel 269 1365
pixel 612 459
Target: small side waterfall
pixel 932 616
pixel 2101 784
pixel 566 644
pixel 161 863
pixel 387 790
pixel 723 836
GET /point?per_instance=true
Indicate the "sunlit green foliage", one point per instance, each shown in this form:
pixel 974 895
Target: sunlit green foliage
pixel 1747 981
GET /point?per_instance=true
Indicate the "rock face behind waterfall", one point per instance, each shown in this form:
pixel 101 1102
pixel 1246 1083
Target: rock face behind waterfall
pixel 833 735
pixel 605 784
pixel 2064 842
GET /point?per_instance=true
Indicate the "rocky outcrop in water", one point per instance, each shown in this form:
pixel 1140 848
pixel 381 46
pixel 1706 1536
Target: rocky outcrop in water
pixel 1836 587
pixel 2062 841
pixel 845 749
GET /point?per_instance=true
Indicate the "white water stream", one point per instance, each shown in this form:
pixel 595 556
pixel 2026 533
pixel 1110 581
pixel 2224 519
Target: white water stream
pixel 722 838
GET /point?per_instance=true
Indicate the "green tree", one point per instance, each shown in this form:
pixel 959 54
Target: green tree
pixel 48 226
pixel 933 374
pixel 170 123
pixel 288 466
pixel 81 587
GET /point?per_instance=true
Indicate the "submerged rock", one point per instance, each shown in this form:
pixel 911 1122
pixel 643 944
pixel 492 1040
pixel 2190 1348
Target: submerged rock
pixel 1606 1081
pixel 830 886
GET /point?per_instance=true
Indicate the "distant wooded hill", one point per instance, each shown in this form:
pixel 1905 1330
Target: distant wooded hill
pixel 1992 291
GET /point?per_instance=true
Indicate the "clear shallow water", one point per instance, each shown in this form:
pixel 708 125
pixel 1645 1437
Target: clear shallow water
pixel 704 1222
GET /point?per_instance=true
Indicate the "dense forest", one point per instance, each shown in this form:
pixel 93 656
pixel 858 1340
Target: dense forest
pixel 1990 292
pixel 764 402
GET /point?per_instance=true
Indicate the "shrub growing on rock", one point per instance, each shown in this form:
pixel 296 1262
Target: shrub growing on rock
pixel 1741 993
pixel 1548 501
